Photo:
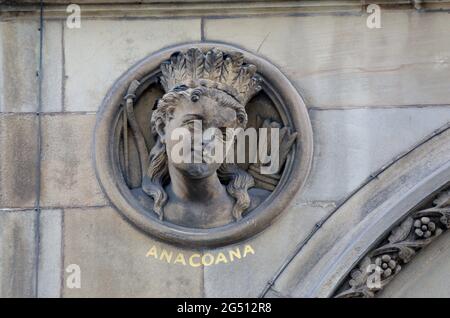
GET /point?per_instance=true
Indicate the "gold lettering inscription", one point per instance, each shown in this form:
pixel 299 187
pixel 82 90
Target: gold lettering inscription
pixel 207 259
pixel 221 258
pixel 234 253
pixel 198 259
pixel 248 249
pixel 167 256
pixel 180 259
pixel 152 252
pixel 194 263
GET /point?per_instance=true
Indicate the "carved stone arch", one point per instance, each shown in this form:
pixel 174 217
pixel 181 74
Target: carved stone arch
pixel 421 227
pixel 364 222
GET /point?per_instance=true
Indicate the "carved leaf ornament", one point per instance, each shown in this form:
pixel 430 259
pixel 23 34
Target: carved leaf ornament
pixel 382 264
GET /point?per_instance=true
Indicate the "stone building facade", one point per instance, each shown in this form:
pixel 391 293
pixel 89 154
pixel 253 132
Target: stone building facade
pixel 378 100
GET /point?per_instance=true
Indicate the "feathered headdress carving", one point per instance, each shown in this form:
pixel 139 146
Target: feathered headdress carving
pixel 217 69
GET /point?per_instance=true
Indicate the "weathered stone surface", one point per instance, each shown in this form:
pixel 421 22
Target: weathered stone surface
pixel 19 61
pixel 129 9
pixel 350 145
pixel 425 276
pixel 68 176
pixel 19 66
pixel 50 267
pixel 112 257
pixel 17 254
pixel 337 61
pixel 100 51
pixel 18 155
pixel 52 65
pixel 247 277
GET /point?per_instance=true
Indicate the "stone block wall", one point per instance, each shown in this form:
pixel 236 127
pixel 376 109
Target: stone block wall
pixel 372 94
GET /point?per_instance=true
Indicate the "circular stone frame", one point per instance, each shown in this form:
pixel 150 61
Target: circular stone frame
pixel 296 170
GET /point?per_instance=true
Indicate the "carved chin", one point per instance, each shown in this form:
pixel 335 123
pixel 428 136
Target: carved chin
pixel 198 170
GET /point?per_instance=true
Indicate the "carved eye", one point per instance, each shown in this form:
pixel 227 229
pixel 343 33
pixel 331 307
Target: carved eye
pixel 180 88
pixel 240 119
pixel 195 98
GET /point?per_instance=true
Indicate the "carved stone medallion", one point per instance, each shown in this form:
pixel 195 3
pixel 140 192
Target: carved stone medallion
pixel 207 88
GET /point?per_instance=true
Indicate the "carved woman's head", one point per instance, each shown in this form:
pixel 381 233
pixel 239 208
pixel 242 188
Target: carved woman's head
pixel 212 89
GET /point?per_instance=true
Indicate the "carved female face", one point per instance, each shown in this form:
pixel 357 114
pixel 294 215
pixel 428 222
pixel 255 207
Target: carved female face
pixel 197 111
pixel 146 191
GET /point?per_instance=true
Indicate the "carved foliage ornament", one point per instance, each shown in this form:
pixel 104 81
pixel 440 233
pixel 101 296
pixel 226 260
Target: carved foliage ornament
pixel 382 264
pixel 201 87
